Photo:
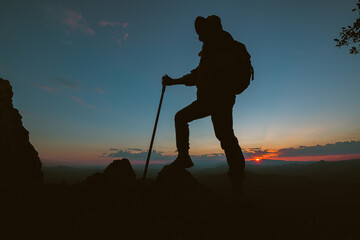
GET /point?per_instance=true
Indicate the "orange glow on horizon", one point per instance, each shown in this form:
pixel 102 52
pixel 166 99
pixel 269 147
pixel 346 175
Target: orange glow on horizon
pixel 271 154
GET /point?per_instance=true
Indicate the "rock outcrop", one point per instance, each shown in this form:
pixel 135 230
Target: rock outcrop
pixel 186 209
pixel 21 177
pixel 110 203
pixel 20 166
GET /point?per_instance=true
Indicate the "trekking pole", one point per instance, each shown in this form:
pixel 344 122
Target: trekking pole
pixel 153 134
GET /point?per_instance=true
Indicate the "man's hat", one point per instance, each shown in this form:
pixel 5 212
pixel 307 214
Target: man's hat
pixel 214 22
pixel 211 23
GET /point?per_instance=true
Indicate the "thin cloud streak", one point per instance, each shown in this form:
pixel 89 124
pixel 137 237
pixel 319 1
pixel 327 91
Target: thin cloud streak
pixel 119 34
pixel 71 21
pixel 135 149
pixel 69 84
pixel 338 148
pixel 76 22
pixel 82 102
pixel 47 88
pixel 99 90
pixel 78 100
pixel 140 155
pixel 66 82
pixel 104 23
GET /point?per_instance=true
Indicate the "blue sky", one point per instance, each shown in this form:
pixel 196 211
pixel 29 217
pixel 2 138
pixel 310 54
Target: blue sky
pixel 86 74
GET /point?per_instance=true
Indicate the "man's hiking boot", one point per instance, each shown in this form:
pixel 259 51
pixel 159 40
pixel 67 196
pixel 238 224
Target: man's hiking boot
pixel 182 161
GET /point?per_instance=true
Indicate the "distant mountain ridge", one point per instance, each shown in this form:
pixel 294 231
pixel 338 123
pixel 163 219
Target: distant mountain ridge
pixel 265 166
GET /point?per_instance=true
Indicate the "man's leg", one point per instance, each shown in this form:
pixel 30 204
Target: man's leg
pixel 223 127
pixel 195 110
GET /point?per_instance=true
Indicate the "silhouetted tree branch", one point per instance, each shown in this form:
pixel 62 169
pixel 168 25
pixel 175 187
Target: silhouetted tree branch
pixel 350 35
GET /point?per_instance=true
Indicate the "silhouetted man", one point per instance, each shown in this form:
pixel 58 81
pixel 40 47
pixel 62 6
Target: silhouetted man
pixel 214 98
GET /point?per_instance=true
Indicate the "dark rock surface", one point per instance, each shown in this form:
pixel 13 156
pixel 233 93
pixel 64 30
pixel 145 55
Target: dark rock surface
pixel 21 177
pixel 20 166
pixel 187 209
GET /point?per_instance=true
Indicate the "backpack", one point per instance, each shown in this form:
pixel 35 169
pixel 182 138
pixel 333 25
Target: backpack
pixel 237 68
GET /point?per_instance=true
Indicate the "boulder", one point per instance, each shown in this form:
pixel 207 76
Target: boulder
pixel 118 173
pixel 120 170
pixel 186 209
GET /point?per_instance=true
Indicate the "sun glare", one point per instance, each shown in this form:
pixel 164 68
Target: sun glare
pixel 257 159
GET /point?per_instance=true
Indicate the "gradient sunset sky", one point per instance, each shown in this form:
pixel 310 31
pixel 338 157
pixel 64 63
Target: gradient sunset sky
pixel 86 77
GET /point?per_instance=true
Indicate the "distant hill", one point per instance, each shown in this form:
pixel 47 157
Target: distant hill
pixel 319 169
pixel 68 174
pixel 313 169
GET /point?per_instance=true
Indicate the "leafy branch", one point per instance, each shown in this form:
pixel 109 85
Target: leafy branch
pixel 350 35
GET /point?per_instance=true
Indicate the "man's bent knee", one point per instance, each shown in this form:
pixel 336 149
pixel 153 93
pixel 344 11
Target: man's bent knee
pixel 180 118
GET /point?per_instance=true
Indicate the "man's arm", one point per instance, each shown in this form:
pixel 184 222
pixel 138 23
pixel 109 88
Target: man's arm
pixel 188 79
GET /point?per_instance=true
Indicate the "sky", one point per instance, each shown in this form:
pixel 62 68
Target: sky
pixel 86 77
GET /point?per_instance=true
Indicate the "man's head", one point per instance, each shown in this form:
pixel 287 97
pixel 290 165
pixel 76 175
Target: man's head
pixel 207 27
pixel 214 22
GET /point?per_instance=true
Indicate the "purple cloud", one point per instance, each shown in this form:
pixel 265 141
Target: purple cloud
pixel 82 102
pixel 46 88
pixel 104 23
pixel 72 21
pixel 99 90
pixel 66 82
